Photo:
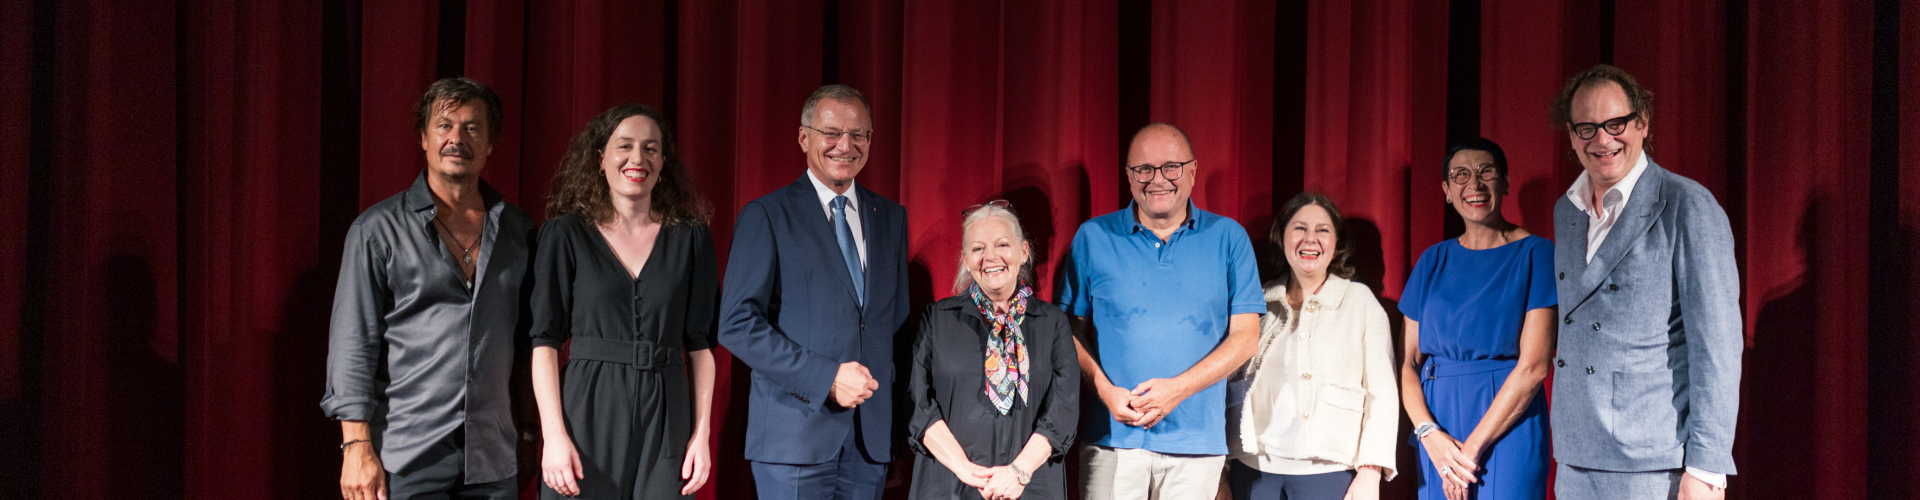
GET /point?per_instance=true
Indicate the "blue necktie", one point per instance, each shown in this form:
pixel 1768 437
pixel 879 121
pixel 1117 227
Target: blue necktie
pixel 844 232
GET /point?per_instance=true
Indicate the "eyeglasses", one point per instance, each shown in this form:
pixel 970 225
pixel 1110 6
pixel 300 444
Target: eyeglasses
pixel 995 203
pixel 1615 126
pixel 859 137
pixel 1487 174
pixel 1170 170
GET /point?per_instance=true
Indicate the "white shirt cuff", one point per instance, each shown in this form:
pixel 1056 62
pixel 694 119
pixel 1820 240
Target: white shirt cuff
pixel 1716 479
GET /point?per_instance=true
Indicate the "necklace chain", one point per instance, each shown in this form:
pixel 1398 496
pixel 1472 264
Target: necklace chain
pixel 466 250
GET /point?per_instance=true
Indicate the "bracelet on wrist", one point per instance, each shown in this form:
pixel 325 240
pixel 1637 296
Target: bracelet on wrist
pixel 343 446
pixel 1019 474
pixel 1423 429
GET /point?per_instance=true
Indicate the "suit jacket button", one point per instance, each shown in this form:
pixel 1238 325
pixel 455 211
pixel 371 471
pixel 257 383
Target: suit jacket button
pixel 1589 370
pixel 1613 288
pixel 1596 327
pixel 1563 275
pixel 863 326
pixel 1569 320
pixel 1560 363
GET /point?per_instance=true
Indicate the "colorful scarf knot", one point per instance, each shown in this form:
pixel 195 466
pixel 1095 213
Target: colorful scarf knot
pixel 1006 347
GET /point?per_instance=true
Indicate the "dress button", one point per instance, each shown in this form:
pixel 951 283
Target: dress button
pixel 1589 370
pixel 1560 363
pixel 1306 376
pixel 1596 327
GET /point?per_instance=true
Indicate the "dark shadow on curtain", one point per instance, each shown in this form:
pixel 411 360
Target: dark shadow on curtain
pixel 146 423
pixel 1370 268
pixel 1779 386
pixel 306 460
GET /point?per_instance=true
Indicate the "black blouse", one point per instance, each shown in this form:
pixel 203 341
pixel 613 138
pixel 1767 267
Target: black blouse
pixel 581 288
pixel 948 382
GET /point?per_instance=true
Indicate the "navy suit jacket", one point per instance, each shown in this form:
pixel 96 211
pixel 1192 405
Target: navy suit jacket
pixel 788 310
pixel 1650 336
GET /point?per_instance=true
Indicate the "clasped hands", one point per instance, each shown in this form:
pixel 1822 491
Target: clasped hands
pixel 1147 403
pixel 1456 462
pixel 993 483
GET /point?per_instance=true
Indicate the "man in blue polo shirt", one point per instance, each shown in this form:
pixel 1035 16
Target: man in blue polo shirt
pixel 1166 303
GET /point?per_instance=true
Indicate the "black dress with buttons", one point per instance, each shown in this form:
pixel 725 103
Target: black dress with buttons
pixel 625 389
pixel 947 381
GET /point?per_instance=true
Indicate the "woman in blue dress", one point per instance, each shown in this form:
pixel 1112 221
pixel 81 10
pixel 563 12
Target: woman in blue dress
pixel 1479 333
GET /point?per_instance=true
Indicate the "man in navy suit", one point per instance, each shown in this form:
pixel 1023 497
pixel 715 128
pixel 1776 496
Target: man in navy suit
pixel 816 287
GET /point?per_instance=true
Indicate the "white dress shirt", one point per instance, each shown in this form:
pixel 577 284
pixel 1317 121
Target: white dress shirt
pixel 1600 223
pixel 853 212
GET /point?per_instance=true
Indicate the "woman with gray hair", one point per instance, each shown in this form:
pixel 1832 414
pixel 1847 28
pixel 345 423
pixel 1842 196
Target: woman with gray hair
pixel 994 380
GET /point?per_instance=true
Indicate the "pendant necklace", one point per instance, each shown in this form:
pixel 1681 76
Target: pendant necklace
pixel 466 253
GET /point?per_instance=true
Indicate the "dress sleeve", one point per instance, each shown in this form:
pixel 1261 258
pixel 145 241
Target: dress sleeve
pixel 926 410
pixel 1414 295
pixel 703 293
pixel 553 273
pixel 1541 291
pixel 1060 410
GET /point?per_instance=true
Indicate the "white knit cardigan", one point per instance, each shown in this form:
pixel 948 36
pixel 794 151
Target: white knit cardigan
pixel 1348 394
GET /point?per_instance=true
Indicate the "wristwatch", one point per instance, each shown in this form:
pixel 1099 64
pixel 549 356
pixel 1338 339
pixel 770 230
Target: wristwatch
pixel 1020 475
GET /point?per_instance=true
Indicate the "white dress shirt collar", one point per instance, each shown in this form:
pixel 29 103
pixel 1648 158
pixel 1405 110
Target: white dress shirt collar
pixel 1600 221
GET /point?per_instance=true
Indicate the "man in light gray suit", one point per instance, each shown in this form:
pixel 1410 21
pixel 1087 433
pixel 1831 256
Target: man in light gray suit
pixel 1648 381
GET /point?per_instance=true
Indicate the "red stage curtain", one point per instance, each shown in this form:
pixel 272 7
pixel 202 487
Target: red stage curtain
pixel 185 171
pixel 1805 214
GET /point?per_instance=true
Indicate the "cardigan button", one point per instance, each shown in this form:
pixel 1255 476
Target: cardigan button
pixel 1613 288
pixel 1589 370
pixel 1569 320
pixel 1596 327
pixel 1560 363
pixel 1563 276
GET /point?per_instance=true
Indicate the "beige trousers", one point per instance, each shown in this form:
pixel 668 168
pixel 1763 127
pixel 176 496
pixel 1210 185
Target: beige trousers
pixel 1133 474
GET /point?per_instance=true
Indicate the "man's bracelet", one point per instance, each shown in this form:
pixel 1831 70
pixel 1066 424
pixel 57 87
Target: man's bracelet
pixel 343 446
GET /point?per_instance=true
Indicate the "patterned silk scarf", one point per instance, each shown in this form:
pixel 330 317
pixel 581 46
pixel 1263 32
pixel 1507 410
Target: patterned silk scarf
pixel 1006 347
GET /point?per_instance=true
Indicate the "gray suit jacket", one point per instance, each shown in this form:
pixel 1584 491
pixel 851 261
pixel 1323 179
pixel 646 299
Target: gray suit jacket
pixel 1648 365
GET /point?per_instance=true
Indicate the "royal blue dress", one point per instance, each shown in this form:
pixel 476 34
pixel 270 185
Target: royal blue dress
pixel 1471 305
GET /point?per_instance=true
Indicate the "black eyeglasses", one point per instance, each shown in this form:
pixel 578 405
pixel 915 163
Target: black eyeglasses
pixel 1487 174
pixel 1615 126
pixel 1170 170
pixel 859 137
pixel 995 203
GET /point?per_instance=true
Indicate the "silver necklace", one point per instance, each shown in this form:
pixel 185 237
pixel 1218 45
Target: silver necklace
pixel 466 250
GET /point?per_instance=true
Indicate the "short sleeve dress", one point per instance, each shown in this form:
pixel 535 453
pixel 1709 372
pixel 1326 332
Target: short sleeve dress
pixel 630 417
pixel 1471 305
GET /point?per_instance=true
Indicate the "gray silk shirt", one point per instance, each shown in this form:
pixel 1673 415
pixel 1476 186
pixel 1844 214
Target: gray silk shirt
pixel 412 350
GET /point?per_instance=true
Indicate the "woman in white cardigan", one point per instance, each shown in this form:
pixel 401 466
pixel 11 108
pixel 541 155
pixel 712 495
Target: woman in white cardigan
pixel 1315 413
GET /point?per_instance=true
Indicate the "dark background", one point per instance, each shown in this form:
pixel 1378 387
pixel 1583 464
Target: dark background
pixel 177 177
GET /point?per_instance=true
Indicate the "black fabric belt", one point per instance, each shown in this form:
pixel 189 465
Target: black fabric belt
pixel 641 355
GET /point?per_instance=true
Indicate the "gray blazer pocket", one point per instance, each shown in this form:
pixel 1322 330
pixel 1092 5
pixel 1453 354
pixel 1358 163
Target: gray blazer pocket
pixel 1643 409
